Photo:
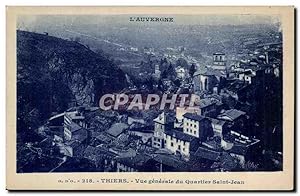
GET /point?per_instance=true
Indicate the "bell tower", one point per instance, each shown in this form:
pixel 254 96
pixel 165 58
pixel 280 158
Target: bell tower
pixel 159 129
pixel 219 61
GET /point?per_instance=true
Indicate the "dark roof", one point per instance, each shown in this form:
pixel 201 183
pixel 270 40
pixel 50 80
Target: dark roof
pixel 74 127
pixel 217 121
pixel 136 162
pixel 80 135
pixel 116 129
pixel 97 153
pixel 180 135
pixel 171 161
pixel 73 143
pixel 104 138
pixel 239 149
pixel 193 116
pixel 46 143
pixel 227 162
pixel 207 154
pixel 232 114
pixel 237 85
pixel 203 103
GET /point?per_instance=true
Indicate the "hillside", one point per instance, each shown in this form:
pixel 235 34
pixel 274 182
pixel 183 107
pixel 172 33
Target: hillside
pixel 53 72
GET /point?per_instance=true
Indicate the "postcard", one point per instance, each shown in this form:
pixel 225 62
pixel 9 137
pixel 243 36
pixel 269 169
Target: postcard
pixel 150 98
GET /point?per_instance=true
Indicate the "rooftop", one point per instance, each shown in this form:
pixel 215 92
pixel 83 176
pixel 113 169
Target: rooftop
pixel 180 135
pixel 137 162
pixel 74 127
pixel 96 153
pixel 193 116
pixel 231 115
pixel 116 129
pixel 217 121
pixel 206 71
pixel 203 103
pixel 80 136
pixel 171 161
pixel 206 153
pixel 238 149
pixel 237 85
pixel 219 53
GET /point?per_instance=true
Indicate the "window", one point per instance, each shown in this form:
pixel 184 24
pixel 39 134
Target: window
pixel 178 147
pixel 195 132
pixel 172 144
pixel 195 126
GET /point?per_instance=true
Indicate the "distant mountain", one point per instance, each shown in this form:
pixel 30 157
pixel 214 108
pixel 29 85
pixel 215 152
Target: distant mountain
pixel 53 72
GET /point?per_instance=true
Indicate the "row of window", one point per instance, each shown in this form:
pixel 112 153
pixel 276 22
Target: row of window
pixel 191 124
pixel 156 139
pixel 191 131
pixel 178 147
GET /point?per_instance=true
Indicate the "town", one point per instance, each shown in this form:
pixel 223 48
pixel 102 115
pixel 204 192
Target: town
pixel 229 128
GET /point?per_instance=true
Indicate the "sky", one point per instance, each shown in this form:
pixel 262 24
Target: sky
pixel 30 21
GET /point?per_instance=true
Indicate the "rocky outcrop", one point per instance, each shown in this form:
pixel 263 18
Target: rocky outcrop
pixel 53 72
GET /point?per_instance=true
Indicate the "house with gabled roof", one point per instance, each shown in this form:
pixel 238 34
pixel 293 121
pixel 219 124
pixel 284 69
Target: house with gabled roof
pixel 231 115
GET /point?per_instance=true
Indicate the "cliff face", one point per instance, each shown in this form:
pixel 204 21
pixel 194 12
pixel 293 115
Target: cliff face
pixel 52 72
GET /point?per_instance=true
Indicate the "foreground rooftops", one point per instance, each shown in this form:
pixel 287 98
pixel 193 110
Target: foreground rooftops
pixel 137 162
pixel 207 154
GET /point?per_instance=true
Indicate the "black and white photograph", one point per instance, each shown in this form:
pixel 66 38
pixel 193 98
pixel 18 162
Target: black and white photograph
pixel 150 98
pixel 149 93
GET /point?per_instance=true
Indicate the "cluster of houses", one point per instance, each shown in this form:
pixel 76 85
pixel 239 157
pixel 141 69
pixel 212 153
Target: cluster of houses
pixel 206 137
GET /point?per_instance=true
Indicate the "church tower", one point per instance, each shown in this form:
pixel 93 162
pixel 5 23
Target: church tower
pixel 219 61
pixel 159 129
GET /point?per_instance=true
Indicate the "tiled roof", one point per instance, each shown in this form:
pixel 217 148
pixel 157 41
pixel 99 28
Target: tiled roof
pixel 80 135
pixel 73 143
pixel 207 154
pixel 171 161
pixel 96 153
pixel 136 162
pixel 205 102
pixel 227 162
pixel 232 114
pixel 104 138
pixel 117 129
